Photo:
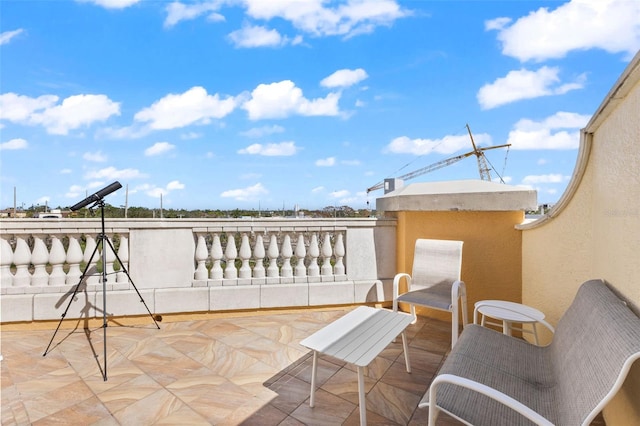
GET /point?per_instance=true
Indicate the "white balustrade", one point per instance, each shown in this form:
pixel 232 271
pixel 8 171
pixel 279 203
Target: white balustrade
pixel 123 255
pixel 237 264
pixel 74 258
pixel 57 258
pixel 39 259
pixel 22 260
pixel 6 259
pixel 216 258
pixel 281 258
pixel 47 263
pixel 91 256
pixel 201 257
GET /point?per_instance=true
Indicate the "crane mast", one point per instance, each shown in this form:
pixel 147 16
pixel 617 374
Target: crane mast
pixel 483 166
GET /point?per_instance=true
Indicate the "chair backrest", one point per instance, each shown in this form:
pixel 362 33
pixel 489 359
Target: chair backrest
pixel 436 262
pixel 595 343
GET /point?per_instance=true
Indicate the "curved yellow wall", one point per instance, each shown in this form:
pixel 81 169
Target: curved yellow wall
pixel 491 259
pixel 597 233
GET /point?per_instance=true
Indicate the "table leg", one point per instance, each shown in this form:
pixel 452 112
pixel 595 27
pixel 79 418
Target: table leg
pixel 405 348
pixel 362 397
pixel 312 397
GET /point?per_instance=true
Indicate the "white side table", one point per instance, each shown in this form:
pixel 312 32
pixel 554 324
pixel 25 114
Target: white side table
pixel 357 338
pixel 510 313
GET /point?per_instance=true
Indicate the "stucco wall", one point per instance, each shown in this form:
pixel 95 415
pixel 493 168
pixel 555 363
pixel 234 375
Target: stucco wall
pixel 597 233
pixel 491 261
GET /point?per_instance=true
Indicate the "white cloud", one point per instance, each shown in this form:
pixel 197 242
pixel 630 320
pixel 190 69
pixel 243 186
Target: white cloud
pixel 177 12
pixel 19 108
pixel 174 185
pixel 13 144
pixel 525 84
pixel 111 4
pixel 250 36
pixel 66 171
pixel 245 194
pixel 258 132
pixel 194 106
pixel 559 131
pixel 610 25
pixel 190 135
pixel 6 36
pixel 340 194
pixel 347 19
pixel 326 162
pixel 271 149
pixel 282 99
pixel 113 173
pixel 97 157
pixel 158 148
pixel 317 189
pixel 134 131
pixel 446 145
pixel 74 112
pixel 538 179
pixel 344 78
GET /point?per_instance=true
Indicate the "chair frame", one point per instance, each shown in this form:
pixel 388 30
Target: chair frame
pixel 458 296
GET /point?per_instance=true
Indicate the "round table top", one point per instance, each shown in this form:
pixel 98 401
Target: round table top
pixel 509 311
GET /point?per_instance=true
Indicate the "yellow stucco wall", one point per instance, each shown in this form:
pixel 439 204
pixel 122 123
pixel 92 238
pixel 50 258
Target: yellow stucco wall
pixel 597 233
pixel 491 260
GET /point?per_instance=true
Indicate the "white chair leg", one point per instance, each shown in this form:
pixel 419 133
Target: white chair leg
pixel 454 325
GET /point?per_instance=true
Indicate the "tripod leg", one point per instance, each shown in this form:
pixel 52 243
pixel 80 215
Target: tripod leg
pixel 75 291
pixel 132 283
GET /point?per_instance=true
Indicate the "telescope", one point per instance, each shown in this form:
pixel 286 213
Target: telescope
pixel 97 196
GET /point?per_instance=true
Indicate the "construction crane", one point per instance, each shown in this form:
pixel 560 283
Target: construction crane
pixel 483 166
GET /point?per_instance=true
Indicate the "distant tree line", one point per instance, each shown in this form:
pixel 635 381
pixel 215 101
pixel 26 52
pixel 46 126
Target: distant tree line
pixel 146 213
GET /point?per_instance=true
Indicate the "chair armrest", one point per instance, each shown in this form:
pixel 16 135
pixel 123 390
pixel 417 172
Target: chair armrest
pixel 396 287
pixel 483 389
pixel 458 289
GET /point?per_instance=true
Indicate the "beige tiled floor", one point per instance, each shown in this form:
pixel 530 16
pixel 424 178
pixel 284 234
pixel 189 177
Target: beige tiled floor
pixel 247 370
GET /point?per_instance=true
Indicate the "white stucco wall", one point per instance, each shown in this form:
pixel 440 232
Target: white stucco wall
pixel 595 232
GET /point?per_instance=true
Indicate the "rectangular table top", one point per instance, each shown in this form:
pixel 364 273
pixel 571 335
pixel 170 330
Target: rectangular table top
pixel 359 336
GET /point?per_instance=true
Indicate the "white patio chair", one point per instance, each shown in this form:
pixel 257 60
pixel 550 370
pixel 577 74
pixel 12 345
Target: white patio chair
pixel 435 281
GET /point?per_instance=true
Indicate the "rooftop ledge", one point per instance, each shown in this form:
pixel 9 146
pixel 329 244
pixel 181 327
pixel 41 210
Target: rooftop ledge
pixel 457 195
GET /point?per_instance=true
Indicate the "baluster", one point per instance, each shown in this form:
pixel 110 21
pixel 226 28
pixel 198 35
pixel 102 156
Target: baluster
pixel 6 258
pixel 39 259
pixel 123 254
pixel 301 253
pixel 110 257
pixel 22 260
pixel 57 256
pixel 74 257
pixel 245 256
pixel 89 249
pixel 231 253
pixel 287 252
pixel 314 253
pixel 340 252
pixel 216 257
pixel 326 256
pixel 201 257
pixel 258 254
pixel 273 253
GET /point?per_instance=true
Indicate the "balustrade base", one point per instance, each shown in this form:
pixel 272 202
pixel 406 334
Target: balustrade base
pixel 203 296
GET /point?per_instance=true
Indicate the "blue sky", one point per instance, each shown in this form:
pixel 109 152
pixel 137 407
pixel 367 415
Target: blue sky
pixel 269 104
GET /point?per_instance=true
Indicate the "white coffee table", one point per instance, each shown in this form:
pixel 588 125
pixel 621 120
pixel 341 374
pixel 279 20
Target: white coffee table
pixel 357 338
pixel 509 313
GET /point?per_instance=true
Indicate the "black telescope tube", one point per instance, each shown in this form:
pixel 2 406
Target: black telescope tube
pixel 97 196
